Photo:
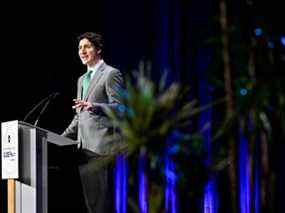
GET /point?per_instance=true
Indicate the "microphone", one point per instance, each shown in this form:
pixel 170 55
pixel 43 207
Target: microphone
pixel 47 100
pixel 51 97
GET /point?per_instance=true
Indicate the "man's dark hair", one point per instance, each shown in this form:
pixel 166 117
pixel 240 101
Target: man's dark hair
pixel 95 38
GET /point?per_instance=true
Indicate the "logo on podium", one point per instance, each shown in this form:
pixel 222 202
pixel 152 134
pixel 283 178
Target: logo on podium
pixel 10 150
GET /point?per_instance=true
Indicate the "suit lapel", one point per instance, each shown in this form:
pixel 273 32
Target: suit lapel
pixel 80 89
pixel 79 92
pixel 97 75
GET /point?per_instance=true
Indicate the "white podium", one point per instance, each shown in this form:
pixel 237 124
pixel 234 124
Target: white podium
pixel 25 157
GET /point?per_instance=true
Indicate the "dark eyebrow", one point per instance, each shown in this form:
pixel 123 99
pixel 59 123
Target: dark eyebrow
pixel 88 45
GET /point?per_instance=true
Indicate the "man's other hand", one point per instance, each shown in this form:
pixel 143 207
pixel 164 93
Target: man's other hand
pixel 79 103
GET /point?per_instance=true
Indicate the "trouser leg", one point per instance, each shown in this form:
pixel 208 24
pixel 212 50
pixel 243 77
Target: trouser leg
pixel 95 186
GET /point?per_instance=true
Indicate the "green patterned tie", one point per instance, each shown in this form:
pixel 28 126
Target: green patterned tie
pixel 86 81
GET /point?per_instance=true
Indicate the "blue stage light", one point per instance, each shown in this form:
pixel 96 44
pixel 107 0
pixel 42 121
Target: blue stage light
pixel 210 197
pixel 258 31
pixel 121 187
pixel 282 40
pixel 174 149
pixel 244 174
pixel 143 199
pixel 243 92
pixel 170 192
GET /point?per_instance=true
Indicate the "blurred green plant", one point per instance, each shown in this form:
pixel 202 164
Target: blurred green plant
pixel 150 113
pixel 158 117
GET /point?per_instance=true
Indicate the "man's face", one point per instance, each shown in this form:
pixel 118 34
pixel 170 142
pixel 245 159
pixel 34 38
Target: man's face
pixel 87 52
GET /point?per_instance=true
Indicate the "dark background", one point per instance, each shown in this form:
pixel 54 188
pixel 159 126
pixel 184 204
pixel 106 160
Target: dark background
pixel 39 46
pixel 39 49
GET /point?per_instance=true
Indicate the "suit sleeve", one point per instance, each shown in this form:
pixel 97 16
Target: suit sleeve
pixel 113 88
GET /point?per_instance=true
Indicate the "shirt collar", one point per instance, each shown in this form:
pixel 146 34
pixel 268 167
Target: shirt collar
pixel 95 67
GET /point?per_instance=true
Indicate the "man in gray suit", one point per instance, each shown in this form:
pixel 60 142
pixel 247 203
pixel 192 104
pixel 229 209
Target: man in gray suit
pixel 97 89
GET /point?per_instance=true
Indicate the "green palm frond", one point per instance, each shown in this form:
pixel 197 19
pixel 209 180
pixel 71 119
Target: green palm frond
pixel 152 112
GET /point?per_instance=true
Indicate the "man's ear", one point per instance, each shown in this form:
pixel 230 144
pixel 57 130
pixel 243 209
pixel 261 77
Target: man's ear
pixel 99 51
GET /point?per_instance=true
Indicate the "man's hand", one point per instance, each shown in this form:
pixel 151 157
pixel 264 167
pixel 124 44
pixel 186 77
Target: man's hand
pixel 79 103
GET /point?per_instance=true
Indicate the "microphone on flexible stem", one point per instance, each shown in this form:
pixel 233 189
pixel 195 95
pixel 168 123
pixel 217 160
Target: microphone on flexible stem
pixel 47 99
pixel 45 106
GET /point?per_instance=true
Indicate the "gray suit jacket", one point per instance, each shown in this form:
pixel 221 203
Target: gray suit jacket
pixel 92 127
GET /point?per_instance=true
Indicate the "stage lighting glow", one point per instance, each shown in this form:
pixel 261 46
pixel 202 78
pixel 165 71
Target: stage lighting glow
pixel 210 203
pixel 244 178
pixel 143 199
pixel 170 193
pixel 282 40
pixel 270 44
pixel 243 92
pixel 121 184
pixel 210 200
pixel 258 31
